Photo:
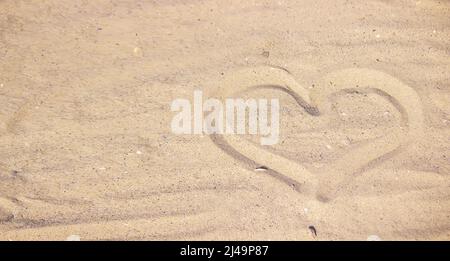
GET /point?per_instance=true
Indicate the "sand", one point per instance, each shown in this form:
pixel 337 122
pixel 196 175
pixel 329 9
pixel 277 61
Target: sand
pixel 87 152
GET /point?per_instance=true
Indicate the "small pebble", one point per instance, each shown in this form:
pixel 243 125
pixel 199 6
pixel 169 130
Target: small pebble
pixel 137 51
pixel 73 238
pixel 261 168
pixel 313 230
pixel 373 238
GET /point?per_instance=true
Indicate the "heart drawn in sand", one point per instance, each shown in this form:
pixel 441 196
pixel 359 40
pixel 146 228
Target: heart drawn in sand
pixel 326 183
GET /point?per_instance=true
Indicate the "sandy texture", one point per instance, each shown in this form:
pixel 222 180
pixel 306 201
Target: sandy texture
pixel 86 149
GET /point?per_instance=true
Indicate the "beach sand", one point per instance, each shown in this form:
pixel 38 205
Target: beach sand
pixel 87 151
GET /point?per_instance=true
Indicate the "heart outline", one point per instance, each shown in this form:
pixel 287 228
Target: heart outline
pixel 316 103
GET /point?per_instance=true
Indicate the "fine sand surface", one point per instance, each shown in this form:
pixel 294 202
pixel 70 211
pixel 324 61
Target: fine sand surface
pixel 86 148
